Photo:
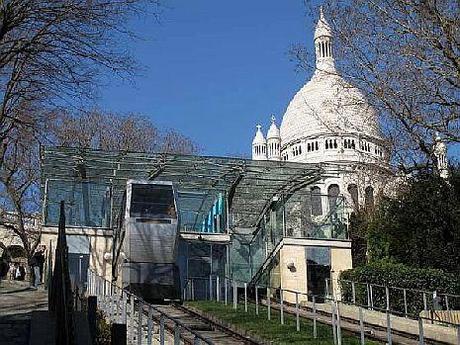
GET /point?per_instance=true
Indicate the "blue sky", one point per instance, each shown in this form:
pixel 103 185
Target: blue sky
pixel 214 69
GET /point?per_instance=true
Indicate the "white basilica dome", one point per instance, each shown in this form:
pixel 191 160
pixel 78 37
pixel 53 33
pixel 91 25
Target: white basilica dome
pixel 327 104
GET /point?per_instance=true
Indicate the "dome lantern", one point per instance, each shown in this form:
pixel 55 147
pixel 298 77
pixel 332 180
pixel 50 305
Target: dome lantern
pixel 323 45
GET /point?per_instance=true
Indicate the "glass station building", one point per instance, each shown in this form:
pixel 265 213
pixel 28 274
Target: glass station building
pixel 245 219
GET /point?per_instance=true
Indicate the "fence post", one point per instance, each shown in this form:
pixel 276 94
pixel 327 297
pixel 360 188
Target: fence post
pixel 425 307
pixel 447 302
pixel 387 294
pixel 210 287
pixel 389 341
pixel 420 331
pixel 353 292
pixel 139 323
pixel 246 297
pixel 281 307
pixel 257 300
pixel 405 302
pixel 176 334
pixel 361 324
pixel 150 326
pixel 334 330
pixel 235 295
pixel 372 296
pixel 297 320
pixel 217 289
pixel 368 296
pixel 339 329
pixel 226 290
pixel 315 333
pixel 268 304
pixel 162 330
pixel 193 290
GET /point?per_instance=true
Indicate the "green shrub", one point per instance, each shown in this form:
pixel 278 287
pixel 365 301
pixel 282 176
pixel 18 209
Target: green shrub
pixel 398 277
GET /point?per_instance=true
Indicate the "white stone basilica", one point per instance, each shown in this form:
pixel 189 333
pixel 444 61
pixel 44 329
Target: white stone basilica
pixel 329 121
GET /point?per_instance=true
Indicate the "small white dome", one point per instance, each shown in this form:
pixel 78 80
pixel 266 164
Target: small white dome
pixel 322 27
pixel 273 131
pixel 259 137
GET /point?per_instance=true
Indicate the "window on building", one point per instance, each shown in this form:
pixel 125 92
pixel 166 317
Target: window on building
pixel 369 197
pixel 316 145
pixel 332 195
pixel 353 190
pixel 316 206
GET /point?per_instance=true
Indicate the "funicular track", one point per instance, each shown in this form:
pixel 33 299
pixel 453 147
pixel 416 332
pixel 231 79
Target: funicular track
pixel 207 328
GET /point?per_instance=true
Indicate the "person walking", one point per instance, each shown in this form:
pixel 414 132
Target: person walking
pixel 35 262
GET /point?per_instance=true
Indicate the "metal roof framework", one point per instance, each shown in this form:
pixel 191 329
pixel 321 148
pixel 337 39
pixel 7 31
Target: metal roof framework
pixel 249 186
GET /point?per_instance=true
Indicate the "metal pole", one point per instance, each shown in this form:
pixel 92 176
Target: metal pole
pixel 150 326
pixel 217 289
pixel 339 329
pixel 257 300
pixel 193 289
pixel 246 297
pixel 361 325
pixel 447 302
pixel 235 295
pixel 210 287
pixel 315 333
pixel 389 341
pixel 334 330
pixel 405 302
pixel 420 332
pixel 368 296
pixel 372 297
pixel 387 294
pixel 268 304
pixel 297 320
pixel 139 323
pixel 425 307
pixel 327 287
pixel 131 316
pixel 162 330
pixel 281 307
pixel 226 290
pixel 353 292
pixel 176 334
pixel 124 305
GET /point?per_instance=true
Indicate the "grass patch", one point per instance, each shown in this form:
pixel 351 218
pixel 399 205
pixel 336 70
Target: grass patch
pixel 272 330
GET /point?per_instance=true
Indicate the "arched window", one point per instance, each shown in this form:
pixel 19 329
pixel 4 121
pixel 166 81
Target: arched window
pixel 353 190
pixel 327 145
pixel 369 197
pixel 316 207
pixel 335 143
pixel 332 194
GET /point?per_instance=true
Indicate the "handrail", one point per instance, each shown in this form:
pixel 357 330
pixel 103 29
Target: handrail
pixel 114 287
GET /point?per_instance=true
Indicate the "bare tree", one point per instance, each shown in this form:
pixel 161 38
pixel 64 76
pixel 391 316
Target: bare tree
pixel 405 56
pixel 19 191
pixel 111 131
pixel 53 51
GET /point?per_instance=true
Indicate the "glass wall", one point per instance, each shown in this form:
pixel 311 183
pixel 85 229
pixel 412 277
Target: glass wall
pixel 87 203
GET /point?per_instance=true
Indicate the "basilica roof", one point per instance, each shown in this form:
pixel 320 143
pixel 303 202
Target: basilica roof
pixel 327 104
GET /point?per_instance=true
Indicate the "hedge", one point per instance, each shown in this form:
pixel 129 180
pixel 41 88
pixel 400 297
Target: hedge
pixel 395 275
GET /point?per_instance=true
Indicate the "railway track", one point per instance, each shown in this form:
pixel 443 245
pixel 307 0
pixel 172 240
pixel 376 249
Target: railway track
pixel 209 329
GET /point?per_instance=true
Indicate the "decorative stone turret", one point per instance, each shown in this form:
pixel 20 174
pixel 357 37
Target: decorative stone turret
pixel 259 145
pixel 323 45
pixel 440 151
pixel 273 142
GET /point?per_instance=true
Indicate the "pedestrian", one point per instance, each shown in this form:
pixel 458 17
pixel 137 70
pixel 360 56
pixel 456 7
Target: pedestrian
pixel 35 268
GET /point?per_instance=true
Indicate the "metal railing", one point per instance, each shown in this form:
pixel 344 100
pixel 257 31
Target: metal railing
pixel 145 322
pixel 399 301
pixel 239 295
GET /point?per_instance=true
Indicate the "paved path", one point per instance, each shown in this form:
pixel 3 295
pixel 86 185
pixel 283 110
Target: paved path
pixel 17 302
